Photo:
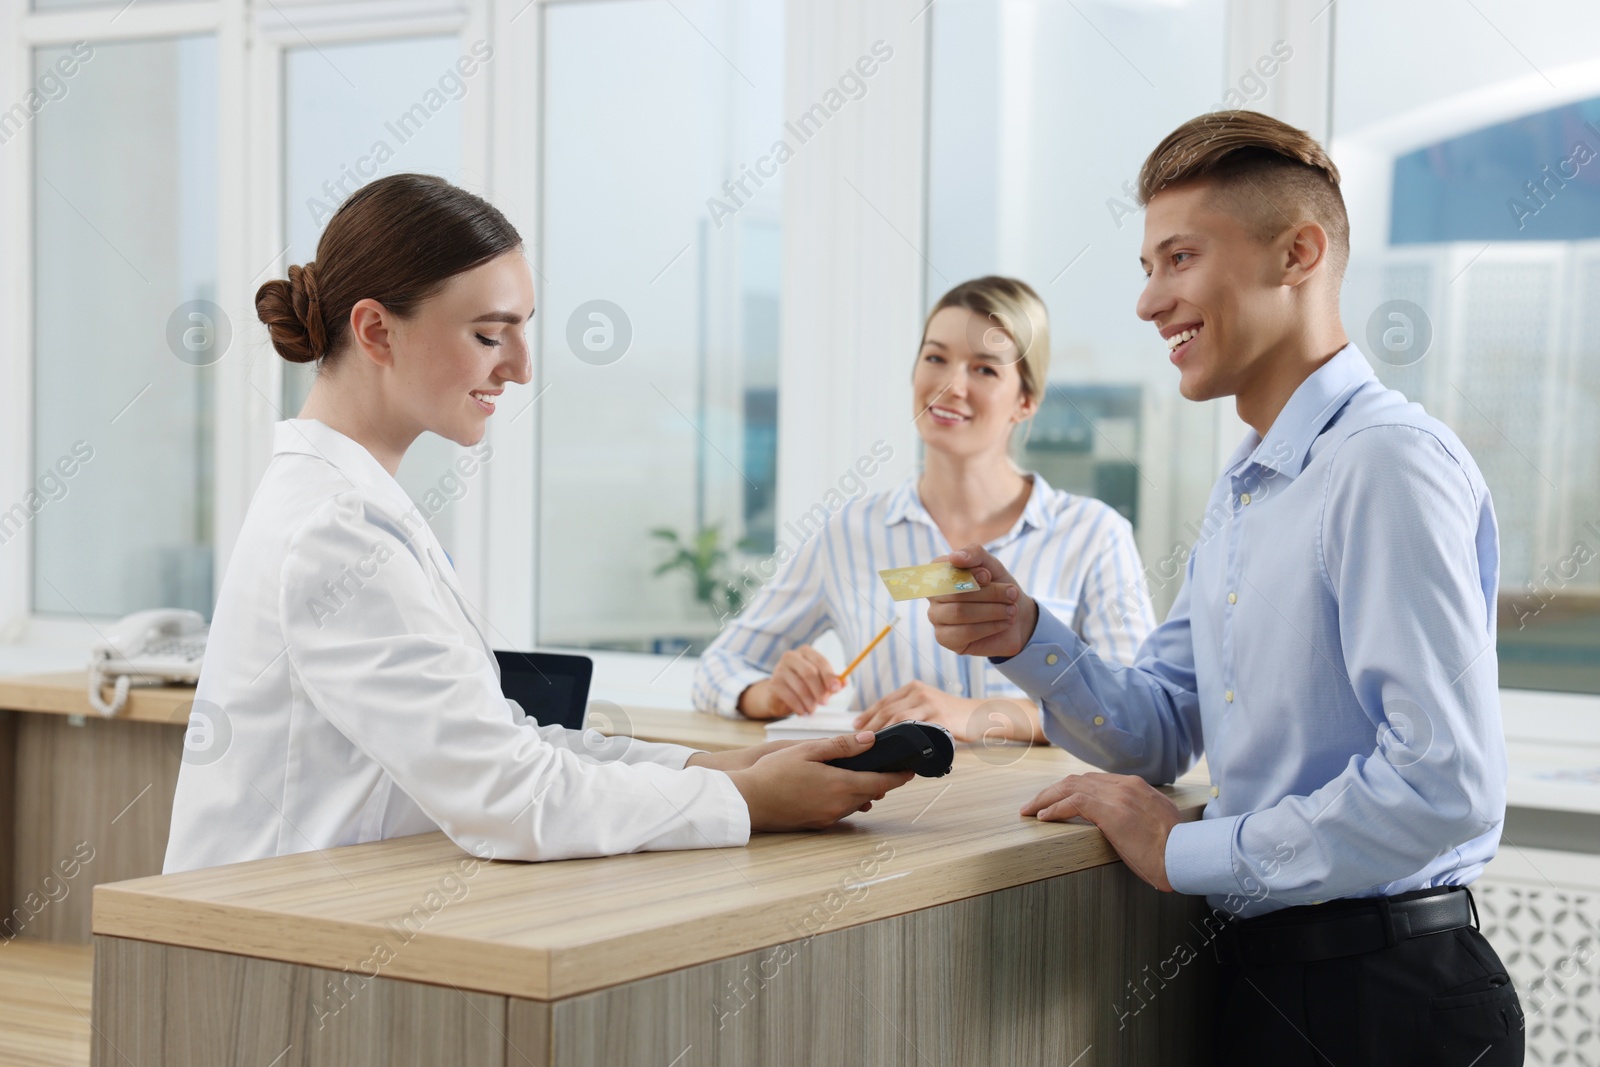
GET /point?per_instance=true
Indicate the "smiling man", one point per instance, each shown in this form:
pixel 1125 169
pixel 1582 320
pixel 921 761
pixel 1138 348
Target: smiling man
pixel 1331 652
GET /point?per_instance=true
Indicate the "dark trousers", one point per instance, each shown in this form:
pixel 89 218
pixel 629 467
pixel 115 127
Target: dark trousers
pixel 1439 1000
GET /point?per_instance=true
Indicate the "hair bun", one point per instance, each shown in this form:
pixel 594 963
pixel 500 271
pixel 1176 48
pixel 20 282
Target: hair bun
pixel 292 313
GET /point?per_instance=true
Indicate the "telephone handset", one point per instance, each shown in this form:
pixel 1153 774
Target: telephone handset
pixel 147 648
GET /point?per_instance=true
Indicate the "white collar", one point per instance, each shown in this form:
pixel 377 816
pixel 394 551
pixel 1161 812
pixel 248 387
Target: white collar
pixel 351 459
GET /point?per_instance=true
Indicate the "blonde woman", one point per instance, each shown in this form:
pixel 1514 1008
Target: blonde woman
pixel 979 378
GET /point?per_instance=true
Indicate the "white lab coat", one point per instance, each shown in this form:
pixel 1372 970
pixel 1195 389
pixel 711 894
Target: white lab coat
pixel 348 695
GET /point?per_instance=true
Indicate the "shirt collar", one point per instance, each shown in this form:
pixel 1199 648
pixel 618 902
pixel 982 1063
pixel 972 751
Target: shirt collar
pixel 363 471
pixel 905 504
pixel 1309 411
pixel 352 460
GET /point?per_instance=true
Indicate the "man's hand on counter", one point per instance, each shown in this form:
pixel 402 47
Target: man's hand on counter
pixel 793 788
pixel 1135 816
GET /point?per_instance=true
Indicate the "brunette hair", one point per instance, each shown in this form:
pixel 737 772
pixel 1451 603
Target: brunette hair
pixel 396 240
pixel 1266 171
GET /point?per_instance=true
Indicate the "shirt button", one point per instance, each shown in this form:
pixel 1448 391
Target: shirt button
pixel 1099 720
pixel 1233 598
pixel 1051 658
pixel 1244 498
pixel 1213 790
pixel 1228 696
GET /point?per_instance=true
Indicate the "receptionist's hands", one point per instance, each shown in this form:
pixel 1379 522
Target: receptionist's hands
pixel 997 620
pixel 793 789
pixel 967 718
pixel 802 681
pixel 1136 817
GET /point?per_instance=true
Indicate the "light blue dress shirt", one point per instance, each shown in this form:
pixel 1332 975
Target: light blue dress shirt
pixel 1332 653
pixel 1075 551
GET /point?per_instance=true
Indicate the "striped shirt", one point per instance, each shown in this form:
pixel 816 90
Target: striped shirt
pixel 1074 554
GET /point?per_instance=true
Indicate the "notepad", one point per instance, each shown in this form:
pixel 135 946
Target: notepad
pixel 833 718
pixel 820 723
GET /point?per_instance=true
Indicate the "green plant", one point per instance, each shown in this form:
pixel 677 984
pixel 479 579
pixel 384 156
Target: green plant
pixel 708 565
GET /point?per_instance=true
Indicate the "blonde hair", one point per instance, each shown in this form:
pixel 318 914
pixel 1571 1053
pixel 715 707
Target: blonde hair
pixel 1012 306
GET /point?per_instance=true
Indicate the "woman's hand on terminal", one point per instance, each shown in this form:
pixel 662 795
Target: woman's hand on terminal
pixel 997 620
pixel 802 681
pixel 967 718
pixel 735 759
pixel 794 789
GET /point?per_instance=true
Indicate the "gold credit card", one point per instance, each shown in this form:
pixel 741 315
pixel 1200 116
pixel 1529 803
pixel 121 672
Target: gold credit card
pixel 930 579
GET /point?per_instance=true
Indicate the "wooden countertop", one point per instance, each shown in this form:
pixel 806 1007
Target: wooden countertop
pixel 545 931
pixel 67 693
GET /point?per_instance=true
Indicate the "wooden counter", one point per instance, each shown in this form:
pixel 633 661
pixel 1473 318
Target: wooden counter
pixel 941 927
pixel 74 784
pixel 67 693
pixel 547 931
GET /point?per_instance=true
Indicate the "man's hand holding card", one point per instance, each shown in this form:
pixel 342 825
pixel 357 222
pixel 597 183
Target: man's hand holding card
pixel 995 619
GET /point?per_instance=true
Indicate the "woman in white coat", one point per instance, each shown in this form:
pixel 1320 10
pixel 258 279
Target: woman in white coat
pixel 348 692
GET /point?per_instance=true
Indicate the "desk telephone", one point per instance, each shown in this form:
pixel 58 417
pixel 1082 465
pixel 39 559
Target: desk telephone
pixel 146 648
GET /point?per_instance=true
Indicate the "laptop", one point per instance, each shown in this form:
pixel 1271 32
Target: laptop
pixel 552 689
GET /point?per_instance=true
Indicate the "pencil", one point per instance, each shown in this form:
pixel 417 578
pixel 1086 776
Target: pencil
pixel 874 644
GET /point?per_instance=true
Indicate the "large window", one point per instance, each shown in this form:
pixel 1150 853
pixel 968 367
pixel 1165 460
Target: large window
pixel 186 147
pixel 1040 117
pixel 125 325
pixel 1470 149
pixel 658 315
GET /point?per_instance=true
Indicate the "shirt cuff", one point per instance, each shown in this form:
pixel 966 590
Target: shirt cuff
pixel 1038 668
pixel 734 831
pixel 668 755
pixel 725 701
pixel 1200 857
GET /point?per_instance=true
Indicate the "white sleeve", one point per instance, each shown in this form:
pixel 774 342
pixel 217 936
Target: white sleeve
pixel 382 655
pixel 599 748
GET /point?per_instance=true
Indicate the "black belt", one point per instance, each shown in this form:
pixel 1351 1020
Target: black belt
pixel 1344 927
